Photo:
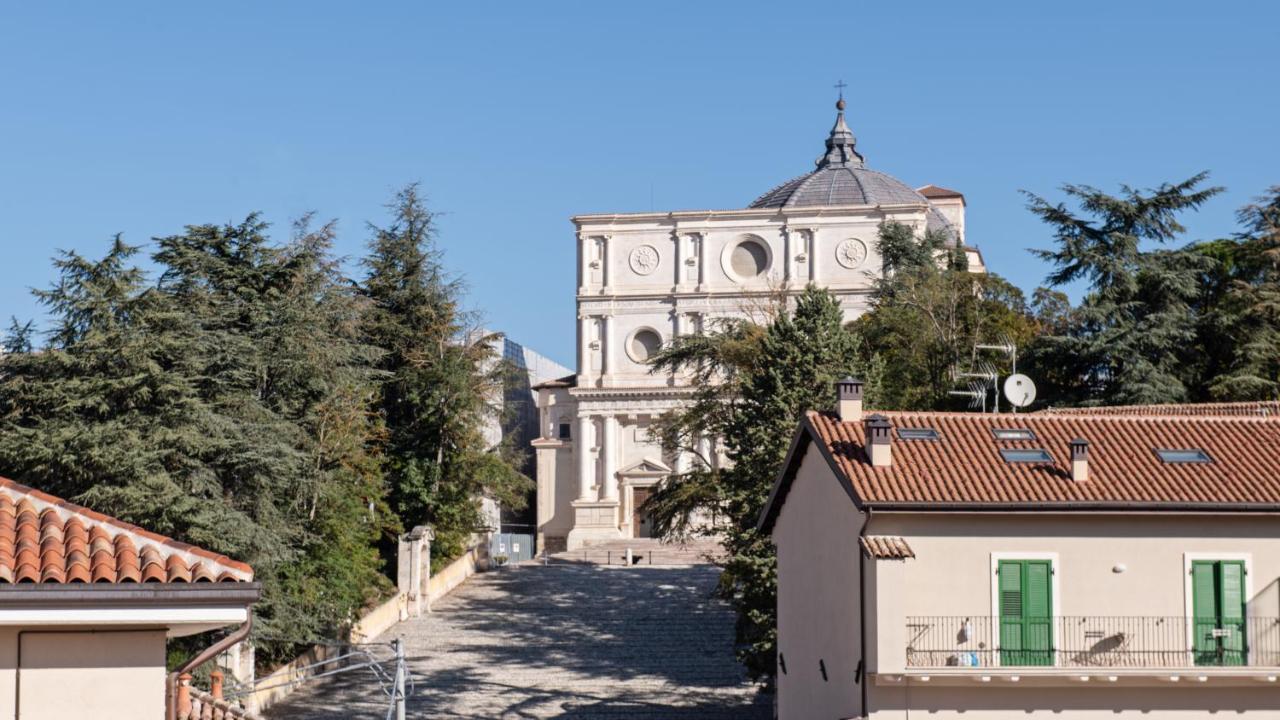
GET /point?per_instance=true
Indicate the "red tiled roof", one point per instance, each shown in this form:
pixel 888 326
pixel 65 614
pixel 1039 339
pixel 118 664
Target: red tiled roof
pixel 963 468
pixel 887 547
pixel 934 191
pixel 44 539
pixel 1223 409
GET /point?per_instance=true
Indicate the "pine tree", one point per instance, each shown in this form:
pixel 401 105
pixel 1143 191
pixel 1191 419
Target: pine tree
pixel 754 384
pixel 443 382
pixel 1129 339
pixel 1240 304
pixel 227 405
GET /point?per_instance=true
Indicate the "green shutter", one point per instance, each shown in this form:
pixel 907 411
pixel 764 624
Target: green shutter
pixel 1010 584
pixel 1231 612
pixel 1038 615
pixel 1218 610
pixel 1204 604
pixel 1026 612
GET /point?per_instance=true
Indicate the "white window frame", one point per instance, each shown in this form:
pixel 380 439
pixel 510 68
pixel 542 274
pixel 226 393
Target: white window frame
pixel 1188 595
pixel 1054 592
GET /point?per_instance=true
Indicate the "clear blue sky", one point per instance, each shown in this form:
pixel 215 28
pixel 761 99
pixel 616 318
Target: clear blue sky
pixel 142 117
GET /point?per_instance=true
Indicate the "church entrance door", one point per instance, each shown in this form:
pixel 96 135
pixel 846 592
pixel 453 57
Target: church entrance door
pixel 640 523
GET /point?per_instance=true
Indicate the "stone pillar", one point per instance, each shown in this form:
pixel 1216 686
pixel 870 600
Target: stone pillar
pixel 679 256
pixel 788 257
pixel 606 257
pixel 702 261
pixel 413 569
pixel 704 450
pixel 813 256
pixel 584 263
pixel 606 348
pixel 586 468
pixel 584 347
pixel 609 458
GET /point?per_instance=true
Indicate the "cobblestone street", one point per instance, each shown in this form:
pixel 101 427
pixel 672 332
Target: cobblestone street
pixel 568 640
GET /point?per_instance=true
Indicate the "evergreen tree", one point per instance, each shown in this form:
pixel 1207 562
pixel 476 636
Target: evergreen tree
pixel 1240 307
pixel 1128 341
pixel 443 382
pixel 927 313
pixel 226 405
pixel 754 383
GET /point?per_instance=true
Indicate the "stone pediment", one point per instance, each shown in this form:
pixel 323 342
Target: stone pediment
pixel 646 467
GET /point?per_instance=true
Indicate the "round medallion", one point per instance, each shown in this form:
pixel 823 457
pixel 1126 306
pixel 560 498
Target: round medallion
pixel 851 253
pixel 644 259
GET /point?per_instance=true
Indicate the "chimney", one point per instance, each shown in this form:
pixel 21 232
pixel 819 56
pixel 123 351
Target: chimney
pixel 849 399
pixel 878 447
pixel 1079 460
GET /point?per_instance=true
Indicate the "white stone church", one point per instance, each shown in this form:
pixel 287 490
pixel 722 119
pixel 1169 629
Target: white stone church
pixel 645 278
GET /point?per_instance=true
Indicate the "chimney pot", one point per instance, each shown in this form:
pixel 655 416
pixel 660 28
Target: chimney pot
pixel 849 399
pixel 1080 460
pixel 215 684
pixel 879 450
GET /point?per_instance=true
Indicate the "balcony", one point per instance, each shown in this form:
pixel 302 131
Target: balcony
pixel 1093 642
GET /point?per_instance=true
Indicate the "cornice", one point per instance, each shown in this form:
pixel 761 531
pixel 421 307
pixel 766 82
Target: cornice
pixel 686 220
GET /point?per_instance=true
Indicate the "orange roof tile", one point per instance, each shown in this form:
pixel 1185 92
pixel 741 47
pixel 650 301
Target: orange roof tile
pixel 44 539
pixel 963 468
pixel 887 547
pixel 1223 409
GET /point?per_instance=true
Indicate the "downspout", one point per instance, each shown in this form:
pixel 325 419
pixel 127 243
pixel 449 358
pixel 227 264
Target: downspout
pixel 862 606
pixel 171 685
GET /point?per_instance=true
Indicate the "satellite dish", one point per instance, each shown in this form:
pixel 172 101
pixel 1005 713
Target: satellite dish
pixel 1019 390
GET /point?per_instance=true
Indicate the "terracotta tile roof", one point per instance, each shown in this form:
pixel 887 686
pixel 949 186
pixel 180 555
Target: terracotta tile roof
pixel 963 468
pixel 44 539
pixel 886 547
pixel 934 191
pixel 1266 408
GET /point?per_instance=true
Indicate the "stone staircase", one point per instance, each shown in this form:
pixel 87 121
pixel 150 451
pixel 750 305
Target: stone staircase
pixel 644 552
pixel 573 640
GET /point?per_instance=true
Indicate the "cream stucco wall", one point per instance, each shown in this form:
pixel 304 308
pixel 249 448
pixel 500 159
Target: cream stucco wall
pixel 117 675
pixel 951 574
pixel 1106 565
pixel 919 700
pixel 818 612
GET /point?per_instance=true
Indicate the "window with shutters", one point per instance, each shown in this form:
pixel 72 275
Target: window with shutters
pixel 1025 606
pixel 1218 612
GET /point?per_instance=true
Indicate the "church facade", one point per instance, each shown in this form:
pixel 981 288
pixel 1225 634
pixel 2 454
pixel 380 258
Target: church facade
pixel 646 278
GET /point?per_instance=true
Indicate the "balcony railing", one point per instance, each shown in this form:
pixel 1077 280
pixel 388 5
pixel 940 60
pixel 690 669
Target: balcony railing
pixel 1092 642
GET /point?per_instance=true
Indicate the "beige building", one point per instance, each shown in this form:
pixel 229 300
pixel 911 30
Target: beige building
pixel 646 278
pixel 950 565
pixel 87 603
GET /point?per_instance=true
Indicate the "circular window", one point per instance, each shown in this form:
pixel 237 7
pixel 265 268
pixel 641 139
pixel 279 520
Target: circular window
pixel 749 259
pixel 644 344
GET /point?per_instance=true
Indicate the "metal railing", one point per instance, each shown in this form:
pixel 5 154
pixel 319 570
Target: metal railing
pixel 1091 642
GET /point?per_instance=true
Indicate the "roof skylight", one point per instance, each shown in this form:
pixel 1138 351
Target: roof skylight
pixel 1183 455
pixel 920 433
pixel 1013 433
pixel 1031 455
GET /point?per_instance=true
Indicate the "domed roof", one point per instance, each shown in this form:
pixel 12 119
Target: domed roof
pixel 842 178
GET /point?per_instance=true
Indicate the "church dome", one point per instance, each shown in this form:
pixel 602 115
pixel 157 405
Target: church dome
pixel 842 178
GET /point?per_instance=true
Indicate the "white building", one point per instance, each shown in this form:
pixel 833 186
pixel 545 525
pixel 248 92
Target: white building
pixel 645 278
pixel 516 420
